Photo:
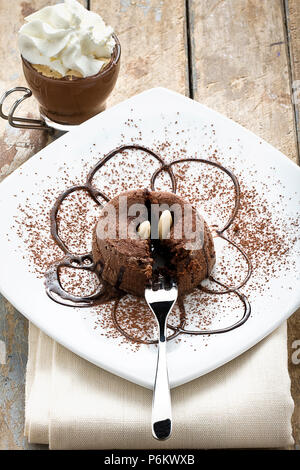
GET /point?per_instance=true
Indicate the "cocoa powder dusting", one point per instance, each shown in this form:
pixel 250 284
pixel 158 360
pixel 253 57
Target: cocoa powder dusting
pixel 259 229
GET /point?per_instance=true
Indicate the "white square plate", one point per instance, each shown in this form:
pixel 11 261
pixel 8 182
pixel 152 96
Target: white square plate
pixel 155 116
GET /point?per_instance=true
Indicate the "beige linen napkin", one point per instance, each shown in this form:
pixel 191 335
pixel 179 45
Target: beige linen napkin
pixel 72 404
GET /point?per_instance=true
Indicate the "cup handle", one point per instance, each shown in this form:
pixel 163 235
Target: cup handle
pixel 20 122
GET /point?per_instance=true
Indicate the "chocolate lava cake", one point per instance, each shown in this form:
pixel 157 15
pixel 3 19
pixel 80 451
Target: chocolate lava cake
pixel 127 262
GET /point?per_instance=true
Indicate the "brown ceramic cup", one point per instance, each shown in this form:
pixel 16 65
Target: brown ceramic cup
pixel 71 102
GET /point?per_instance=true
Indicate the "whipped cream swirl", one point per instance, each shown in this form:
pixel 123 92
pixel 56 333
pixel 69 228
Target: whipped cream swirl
pixel 66 37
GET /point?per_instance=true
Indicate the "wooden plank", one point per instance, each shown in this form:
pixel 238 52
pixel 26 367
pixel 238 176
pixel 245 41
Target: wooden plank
pixel 292 10
pixel 13 332
pixel 240 67
pixel 153 40
pixel 16 146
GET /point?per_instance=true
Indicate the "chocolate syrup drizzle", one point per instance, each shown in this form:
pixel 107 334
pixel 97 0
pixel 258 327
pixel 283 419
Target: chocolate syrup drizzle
pixel 105 292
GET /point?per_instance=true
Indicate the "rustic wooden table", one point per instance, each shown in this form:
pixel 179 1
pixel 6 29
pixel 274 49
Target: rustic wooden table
pixel 240 57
